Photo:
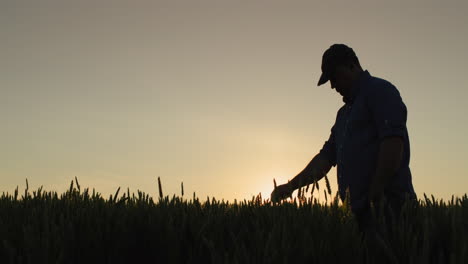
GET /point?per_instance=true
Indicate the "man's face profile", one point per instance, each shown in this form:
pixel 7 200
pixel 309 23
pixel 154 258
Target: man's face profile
pixel 341 79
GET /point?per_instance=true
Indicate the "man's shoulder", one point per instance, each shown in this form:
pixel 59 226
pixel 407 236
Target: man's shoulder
pixel 379 83
pixel 376 85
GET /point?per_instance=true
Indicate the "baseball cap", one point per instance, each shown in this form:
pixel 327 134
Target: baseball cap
pixel 336 55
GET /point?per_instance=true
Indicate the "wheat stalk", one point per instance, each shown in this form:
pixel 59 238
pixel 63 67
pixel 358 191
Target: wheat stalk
pixel 160 188
pixel 328 185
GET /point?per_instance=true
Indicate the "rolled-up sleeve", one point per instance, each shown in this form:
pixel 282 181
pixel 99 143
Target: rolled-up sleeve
pixel 328 150
pixel 387 109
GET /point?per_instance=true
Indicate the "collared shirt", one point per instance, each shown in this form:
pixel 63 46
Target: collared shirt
pixel 374 110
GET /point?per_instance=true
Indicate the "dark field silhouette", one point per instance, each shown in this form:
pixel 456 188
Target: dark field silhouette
pixel 82 227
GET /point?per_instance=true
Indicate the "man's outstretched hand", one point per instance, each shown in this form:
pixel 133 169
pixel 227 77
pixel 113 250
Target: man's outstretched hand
pixel 281 192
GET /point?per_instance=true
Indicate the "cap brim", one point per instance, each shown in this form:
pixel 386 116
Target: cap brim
pixel 323 79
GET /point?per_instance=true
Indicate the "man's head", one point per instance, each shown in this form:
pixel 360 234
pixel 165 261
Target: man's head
pixel 341 67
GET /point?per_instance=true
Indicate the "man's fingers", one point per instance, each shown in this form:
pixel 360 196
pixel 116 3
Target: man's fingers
pixel 280 192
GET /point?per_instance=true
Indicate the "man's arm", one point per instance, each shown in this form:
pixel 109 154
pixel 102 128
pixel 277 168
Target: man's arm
pixel 389 114
pixel 388 163
pixel 317 168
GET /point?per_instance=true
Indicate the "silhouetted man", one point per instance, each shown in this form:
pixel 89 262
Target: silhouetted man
pixel 368 143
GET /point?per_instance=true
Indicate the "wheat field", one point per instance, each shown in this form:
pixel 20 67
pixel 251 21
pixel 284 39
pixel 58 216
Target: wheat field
pixel 81 226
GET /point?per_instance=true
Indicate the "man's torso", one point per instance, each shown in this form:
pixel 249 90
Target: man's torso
pixel 357 139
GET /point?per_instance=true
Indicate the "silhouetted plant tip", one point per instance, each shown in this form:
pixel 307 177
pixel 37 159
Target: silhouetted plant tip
pixel 160 188
pixel 328 185
pixel 71 187
pixel 116 194
pixel 182 188
pixel 77 184
pixel 27 189
pixel 313 188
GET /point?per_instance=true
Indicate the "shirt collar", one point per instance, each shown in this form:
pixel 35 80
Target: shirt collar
pixel 356 86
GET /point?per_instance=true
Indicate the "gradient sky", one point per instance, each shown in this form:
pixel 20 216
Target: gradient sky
pixel 218 94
